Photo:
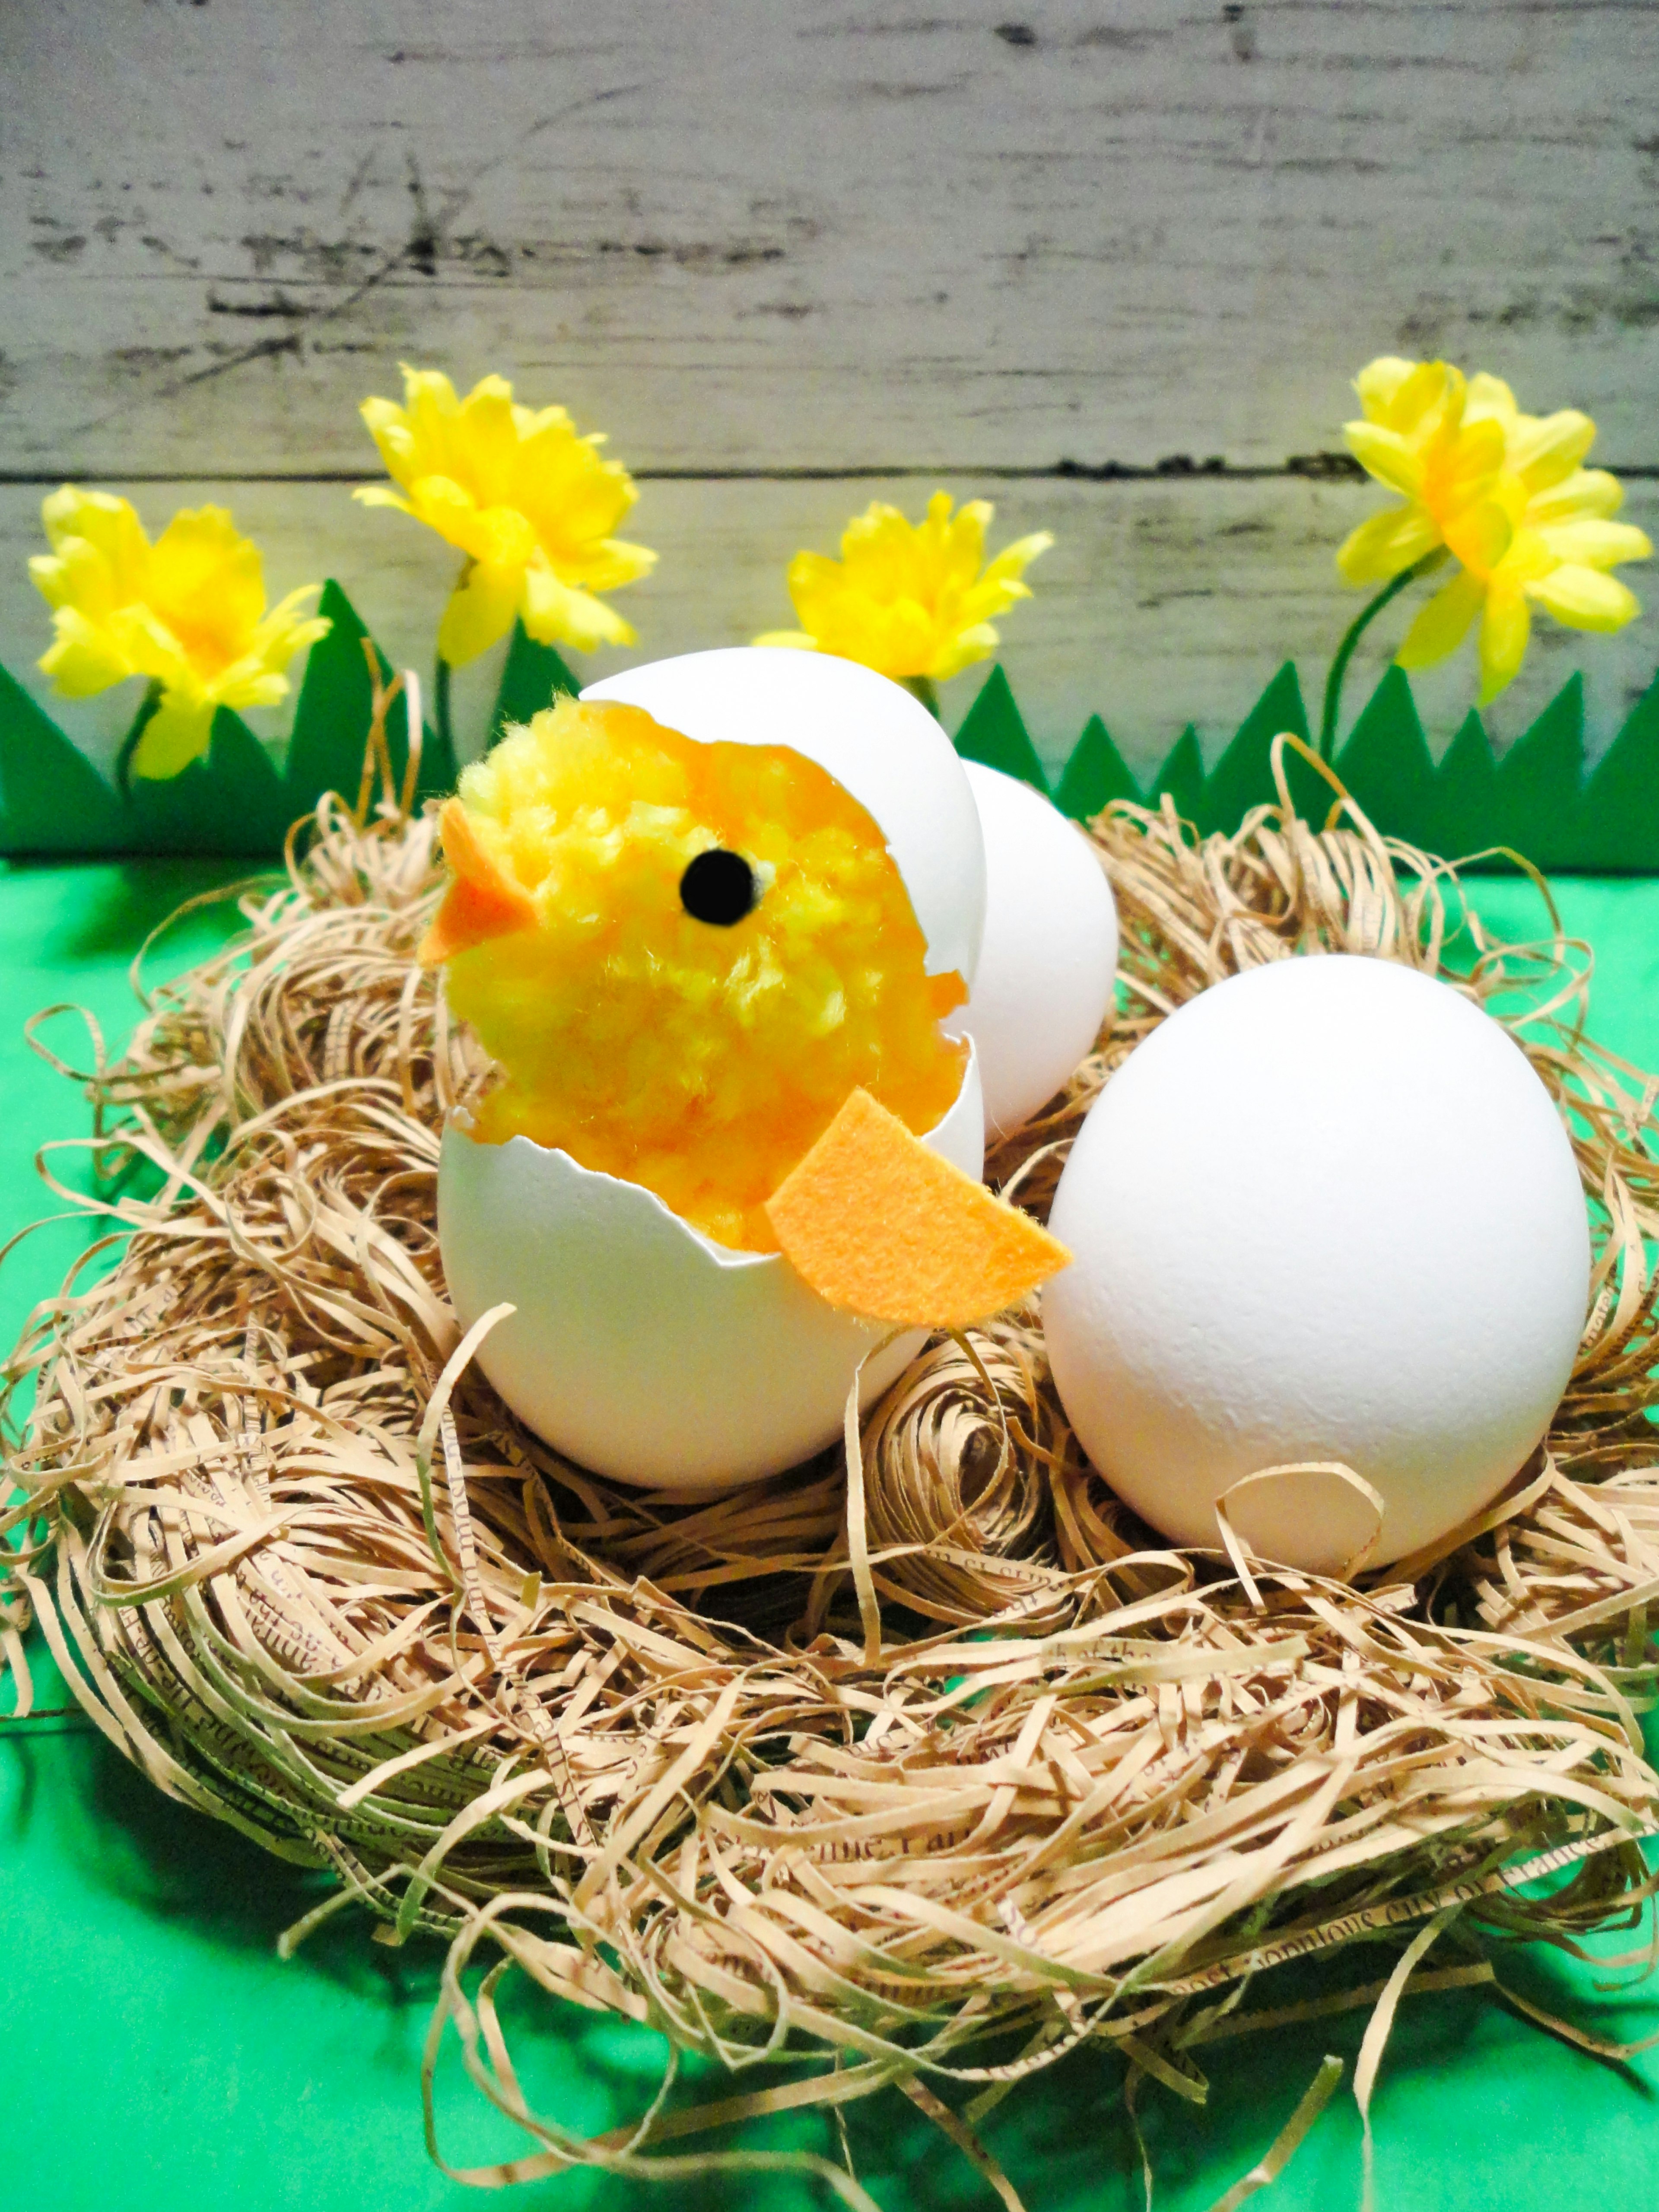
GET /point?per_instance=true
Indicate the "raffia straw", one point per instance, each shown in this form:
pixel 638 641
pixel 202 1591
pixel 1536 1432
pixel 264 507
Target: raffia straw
pixel 1058 1784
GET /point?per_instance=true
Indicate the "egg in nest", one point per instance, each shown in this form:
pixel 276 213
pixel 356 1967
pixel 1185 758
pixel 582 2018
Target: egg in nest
pixel 709 922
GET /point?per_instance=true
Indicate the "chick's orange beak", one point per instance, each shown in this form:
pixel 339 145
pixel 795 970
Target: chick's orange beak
pixel 879 1226
pixel 482 902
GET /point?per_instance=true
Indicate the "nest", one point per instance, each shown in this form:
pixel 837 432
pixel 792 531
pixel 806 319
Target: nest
pixel 916 1767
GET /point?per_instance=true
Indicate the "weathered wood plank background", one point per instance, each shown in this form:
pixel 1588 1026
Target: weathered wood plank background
pixel 1110 263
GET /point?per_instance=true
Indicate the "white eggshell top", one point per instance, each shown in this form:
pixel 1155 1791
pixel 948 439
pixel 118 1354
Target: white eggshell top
pixel 879 744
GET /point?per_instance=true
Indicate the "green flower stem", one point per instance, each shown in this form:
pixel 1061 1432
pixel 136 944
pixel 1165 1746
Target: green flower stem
pixel 1355 631
pixel 441 675
pixel 922 688
pixel 152 700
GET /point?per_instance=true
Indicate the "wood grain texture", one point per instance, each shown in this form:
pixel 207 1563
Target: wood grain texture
pixel 754 238
pixel 1160 603
pixel 779 233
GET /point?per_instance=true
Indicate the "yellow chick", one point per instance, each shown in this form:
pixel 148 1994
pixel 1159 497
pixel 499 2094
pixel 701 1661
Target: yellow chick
pixel 697 968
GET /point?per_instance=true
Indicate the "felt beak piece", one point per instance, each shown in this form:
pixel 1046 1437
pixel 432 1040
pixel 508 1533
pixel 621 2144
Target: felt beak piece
pixel 879 1226
pixel 482 902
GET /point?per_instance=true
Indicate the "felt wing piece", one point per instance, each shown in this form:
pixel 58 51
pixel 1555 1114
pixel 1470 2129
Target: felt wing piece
pixel 879 1226
pixel 481 901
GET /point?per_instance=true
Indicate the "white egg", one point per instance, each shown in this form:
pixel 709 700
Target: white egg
pixel 1043 986
pixel 640 1347
pixel 879 744
pixel 1327 1212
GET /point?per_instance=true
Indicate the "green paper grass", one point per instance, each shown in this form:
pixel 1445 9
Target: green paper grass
pixel 1536 800
pixel 54 802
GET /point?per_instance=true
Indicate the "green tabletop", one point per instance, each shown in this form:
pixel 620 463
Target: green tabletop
pixel 163 2060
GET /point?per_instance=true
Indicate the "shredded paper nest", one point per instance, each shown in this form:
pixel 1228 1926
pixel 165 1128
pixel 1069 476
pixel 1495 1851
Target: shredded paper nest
pixel 918 1767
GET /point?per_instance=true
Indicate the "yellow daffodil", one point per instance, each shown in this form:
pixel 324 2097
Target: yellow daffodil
pixel 529 502
pixel 1505 494
pixel 910 600
pixel 188 612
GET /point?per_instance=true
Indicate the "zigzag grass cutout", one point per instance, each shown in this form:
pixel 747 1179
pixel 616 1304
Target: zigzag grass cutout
pixel 235 802
pixel 1536 798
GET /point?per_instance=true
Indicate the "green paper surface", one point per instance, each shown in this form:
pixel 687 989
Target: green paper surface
pixel 330 721
pixel 1466 794
pixel 1539 777
pixel 1536 800
pixel 51 798
pixel 1181 776
pixel 233 802
pixel 1243 776
pixel 531 677
pixel 1096 773
pixel 1386 763
pixel 1619 814
pixel 994 733
pixel 166 2061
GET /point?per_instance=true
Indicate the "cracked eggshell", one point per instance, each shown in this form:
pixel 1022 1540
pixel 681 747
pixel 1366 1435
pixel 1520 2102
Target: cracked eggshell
pixel 1048 960
pixel 1326 1212
pixel 879 744
pixel 639 1347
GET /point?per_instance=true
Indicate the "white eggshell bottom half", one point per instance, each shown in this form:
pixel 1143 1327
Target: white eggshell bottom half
pixel 1048 957
pixel 1326 1212
pixel 639 1347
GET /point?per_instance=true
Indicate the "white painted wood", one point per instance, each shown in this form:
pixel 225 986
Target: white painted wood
pixel 1160 603
pixel 752 237
pixel 775 234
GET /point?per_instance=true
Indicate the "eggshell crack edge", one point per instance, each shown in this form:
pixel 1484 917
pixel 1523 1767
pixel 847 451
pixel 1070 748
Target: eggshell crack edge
pixel 682 1364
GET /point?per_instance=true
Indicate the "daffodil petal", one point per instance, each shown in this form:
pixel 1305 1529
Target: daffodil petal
pixel 1385 544
pixel 523 496
pixel 1585 597
pixel 205 575
pixel 1482 536
pixel 968 646
pixel 1503 633
pixel 178 733
pixel 1385 455
pixel 481 610
pixel 554 611
pixel 382 496
pixel 1477 455
pixel 189 611
pixel 909 600
pixel 447 507
pixel 1442 623
pixel 1378 383
pixel 1585 493
pixel 250 685
pixel 1426 400
pixel 1593 543
pixel 99 520
pixel 1488 397
pixel 615 562
pixel 1005 572
pixel 1546 451
pixel 83 659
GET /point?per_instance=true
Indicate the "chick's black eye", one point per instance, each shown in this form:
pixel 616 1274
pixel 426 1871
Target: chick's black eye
pixel 719 887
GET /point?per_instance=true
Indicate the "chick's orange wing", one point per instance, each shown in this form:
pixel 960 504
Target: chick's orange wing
pixel 879 1225
pixel 482 902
